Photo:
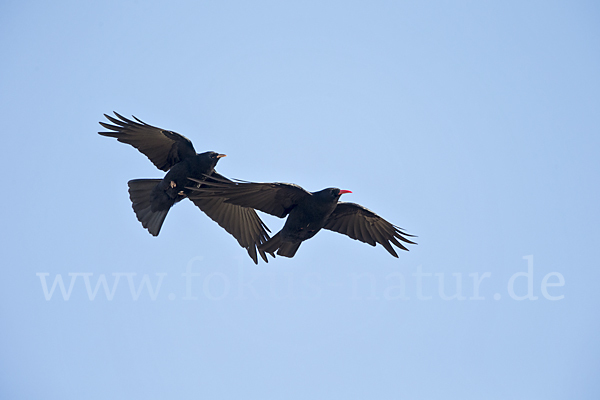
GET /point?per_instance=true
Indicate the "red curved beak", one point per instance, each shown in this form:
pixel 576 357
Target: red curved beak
pixel 344 191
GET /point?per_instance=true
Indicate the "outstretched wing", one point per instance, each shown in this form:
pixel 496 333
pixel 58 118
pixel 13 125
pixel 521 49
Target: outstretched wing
pixel 363 224
pixel 241 222
pixel 164 148
pixel 277 199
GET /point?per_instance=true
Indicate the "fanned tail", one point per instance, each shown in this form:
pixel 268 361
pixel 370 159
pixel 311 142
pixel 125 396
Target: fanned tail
pixel 140 193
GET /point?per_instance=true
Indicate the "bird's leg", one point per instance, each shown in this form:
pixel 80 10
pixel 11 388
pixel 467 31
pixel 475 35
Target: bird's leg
pixel 172 184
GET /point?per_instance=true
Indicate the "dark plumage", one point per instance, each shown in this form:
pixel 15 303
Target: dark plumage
pixel 307 213
pixel 174 153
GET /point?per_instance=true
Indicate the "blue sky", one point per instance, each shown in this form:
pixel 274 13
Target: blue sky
pixel 473 125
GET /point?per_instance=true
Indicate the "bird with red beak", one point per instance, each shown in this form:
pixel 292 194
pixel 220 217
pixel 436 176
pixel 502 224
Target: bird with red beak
pixel 307 213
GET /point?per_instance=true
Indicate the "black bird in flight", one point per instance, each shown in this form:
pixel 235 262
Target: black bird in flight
pixel 174 153
pixel 307 213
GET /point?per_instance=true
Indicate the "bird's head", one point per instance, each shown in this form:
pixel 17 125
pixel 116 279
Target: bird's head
pixel 212 157
pixel 331 194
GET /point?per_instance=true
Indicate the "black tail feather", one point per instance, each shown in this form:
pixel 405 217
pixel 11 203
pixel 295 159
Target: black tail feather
pixel 140 193
pixel 275 244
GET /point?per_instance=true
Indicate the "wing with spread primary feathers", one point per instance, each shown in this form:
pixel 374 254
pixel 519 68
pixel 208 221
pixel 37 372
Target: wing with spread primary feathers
pixel 363 224
pixel 164 148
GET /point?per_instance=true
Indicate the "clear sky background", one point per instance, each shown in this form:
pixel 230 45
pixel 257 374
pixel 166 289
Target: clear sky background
pixel 473 125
